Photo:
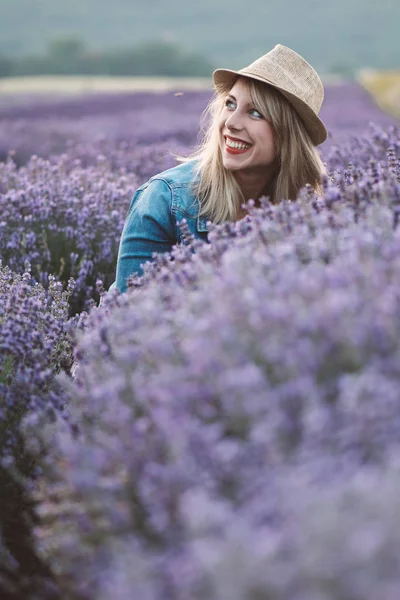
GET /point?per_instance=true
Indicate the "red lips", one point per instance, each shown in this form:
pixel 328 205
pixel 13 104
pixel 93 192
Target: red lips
pixel 235 150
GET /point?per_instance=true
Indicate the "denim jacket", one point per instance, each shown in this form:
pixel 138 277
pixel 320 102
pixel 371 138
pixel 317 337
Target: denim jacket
pixel 151 223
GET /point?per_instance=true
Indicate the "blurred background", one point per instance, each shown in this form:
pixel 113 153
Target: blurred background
pixel 176 38
pixel 73 70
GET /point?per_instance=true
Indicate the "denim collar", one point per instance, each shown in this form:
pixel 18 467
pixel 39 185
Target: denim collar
pixel 202 223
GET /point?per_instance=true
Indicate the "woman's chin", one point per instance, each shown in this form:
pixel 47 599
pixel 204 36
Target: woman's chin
pixel 231 164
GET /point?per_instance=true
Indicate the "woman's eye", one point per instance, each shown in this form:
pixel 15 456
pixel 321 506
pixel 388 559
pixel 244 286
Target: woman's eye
pixel 231 104
pixel 256 113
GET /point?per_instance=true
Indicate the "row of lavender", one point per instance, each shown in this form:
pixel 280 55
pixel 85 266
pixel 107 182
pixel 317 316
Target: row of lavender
pixel 64 212
pixel 143 118
pixel 246 422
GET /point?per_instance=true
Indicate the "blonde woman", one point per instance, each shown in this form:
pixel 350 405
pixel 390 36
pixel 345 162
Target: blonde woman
pixel 261 141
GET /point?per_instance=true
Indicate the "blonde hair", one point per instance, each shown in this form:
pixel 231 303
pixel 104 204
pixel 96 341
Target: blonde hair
pixel 298 162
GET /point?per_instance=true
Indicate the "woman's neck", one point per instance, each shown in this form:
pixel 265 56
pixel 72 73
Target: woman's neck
pixel 252 185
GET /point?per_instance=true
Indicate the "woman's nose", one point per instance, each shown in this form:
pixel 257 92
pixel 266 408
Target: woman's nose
pixel 234 121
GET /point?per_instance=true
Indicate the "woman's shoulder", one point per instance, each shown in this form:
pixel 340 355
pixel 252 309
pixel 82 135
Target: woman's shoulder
pixel 181 175
pixel 173 189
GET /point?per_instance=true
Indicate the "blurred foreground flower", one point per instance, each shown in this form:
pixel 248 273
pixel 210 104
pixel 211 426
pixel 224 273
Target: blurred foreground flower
pixel 238 414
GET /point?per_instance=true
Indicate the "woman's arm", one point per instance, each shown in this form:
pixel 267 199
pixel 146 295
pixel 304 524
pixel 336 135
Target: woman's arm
pixel 149 227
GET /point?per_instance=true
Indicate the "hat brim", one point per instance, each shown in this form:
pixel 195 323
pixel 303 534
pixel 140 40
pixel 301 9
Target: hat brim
pixel 224 78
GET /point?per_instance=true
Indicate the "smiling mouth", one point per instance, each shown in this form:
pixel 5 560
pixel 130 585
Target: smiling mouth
pixel 234 147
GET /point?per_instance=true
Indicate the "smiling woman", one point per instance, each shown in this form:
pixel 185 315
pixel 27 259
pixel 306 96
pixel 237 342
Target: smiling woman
pixel 253 160
pixel 262 129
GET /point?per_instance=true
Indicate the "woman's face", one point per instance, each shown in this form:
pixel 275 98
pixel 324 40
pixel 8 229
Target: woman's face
pixel 246 137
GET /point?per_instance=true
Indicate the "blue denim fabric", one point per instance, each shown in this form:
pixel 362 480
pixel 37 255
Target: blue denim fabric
pixel 151 223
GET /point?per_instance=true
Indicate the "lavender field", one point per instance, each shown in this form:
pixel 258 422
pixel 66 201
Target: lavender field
pixel 232 431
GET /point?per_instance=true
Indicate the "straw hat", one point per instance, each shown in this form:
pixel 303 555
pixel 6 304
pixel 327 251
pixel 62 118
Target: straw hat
pixel 293 76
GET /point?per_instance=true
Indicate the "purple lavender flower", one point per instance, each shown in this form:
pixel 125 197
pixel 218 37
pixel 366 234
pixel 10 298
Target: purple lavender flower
pixel 35 346
pixel 230 403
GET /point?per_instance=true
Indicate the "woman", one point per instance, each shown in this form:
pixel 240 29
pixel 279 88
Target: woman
pixel 261 141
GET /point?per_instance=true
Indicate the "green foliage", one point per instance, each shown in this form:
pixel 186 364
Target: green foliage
pixel 7 369
pixel 157 58
pixel 69 56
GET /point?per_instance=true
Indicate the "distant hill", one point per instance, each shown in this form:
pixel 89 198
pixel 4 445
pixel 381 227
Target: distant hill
pixel 335 36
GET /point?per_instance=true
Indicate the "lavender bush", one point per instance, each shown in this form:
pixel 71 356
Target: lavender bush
pixel 34 347
pixel 65 220
pixel 238 413
pixel 143 119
